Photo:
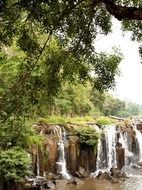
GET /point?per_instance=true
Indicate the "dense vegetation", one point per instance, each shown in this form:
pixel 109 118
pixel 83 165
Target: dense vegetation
pixel 49 66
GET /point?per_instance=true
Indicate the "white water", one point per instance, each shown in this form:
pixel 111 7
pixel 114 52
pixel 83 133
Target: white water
pixel 106 151
pixel 139 139
pixel 37 163
pixel 123 139
pixel 99 150
pixel 61 163
pixel 110 131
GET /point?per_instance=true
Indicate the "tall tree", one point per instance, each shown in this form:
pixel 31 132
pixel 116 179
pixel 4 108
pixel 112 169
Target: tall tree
pixel 75 25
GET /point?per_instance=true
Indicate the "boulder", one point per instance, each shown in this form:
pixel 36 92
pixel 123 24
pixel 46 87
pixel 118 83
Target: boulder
pixel 61 182
pixel 77 181
pixel 51 176
pixel 38 182
pixel 81 171
pixel 78 174
pixel 105 175
pixel 50 185
pixel 116 173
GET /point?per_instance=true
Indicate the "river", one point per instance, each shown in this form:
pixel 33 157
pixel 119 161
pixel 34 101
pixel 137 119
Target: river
pixel 133 182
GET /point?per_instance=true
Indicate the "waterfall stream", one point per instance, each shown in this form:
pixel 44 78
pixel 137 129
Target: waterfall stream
pixel 139 139
pixel 37 162
pixel 110 136
pixel 106 150
pixel 61 163
pixel 123 139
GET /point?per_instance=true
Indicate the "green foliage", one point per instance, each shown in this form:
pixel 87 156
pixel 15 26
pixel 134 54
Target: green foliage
pixel 14 164
pixel 15 132
pixel 53 119
pixel 80 119
pixel 46 54
pixel 87 135
pixel 104 121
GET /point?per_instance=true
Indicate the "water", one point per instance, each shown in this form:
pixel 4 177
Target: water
pixel 139 139
pixel 133 183
pixel 110 132
pixel 123 139
pixel 37 162
pixel 106 150
pixel 61 163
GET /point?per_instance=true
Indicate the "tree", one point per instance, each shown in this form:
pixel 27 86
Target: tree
pixel 56 41
pixel 75 24
pixel 25 21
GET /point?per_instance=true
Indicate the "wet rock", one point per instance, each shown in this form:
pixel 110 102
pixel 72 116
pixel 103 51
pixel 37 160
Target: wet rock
pixel 38 182
pixel 136 166
pixel 87 158
pixel 140 163
pixel 107 176
pixel 120 155
pixel 61 182
pixel 116 173
pixel 72 154
pixel 86 174
pixel 78 174
pixel 50 185
pixel 51 176
pixel 104 175
pixel 78 181
pixel 75 181
pixel 27 186
pixel 81 171
pixel 71 180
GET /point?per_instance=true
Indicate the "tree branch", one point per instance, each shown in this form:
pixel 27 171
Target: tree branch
pixel 123 12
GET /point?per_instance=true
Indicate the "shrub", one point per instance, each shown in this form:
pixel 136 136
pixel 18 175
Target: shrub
pixel 104 121
pixel 88 135
pixel 14 164
pixel 53 119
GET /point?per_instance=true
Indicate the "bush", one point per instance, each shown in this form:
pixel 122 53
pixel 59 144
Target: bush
pixel 104 121
pixel 14 164
pixel 80 119
pixel 88 135
pixel 53 119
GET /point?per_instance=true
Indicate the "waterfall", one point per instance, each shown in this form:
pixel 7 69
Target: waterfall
pixel 139 139
pixel 61 163
pixel 37 162
pixel 110 132
pixel 123 139
pixel 100 153
pixel 106 150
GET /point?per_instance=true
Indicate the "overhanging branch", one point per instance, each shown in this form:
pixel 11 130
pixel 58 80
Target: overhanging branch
pixel 123 12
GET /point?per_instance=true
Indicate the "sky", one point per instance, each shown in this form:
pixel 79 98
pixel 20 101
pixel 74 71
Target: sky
pixel 129 83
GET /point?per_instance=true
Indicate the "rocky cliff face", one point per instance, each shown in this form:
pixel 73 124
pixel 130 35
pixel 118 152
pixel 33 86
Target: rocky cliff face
pixel 77 155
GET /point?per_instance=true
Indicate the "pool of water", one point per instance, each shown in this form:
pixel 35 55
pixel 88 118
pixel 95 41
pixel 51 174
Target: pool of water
pixel 134 182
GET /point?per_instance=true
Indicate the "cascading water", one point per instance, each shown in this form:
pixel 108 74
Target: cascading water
pixel 110 132
pixel 37 163
pixel 99 163
pixel 61 163
pixel 123 139
pixel 139 139
pixel 106 150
